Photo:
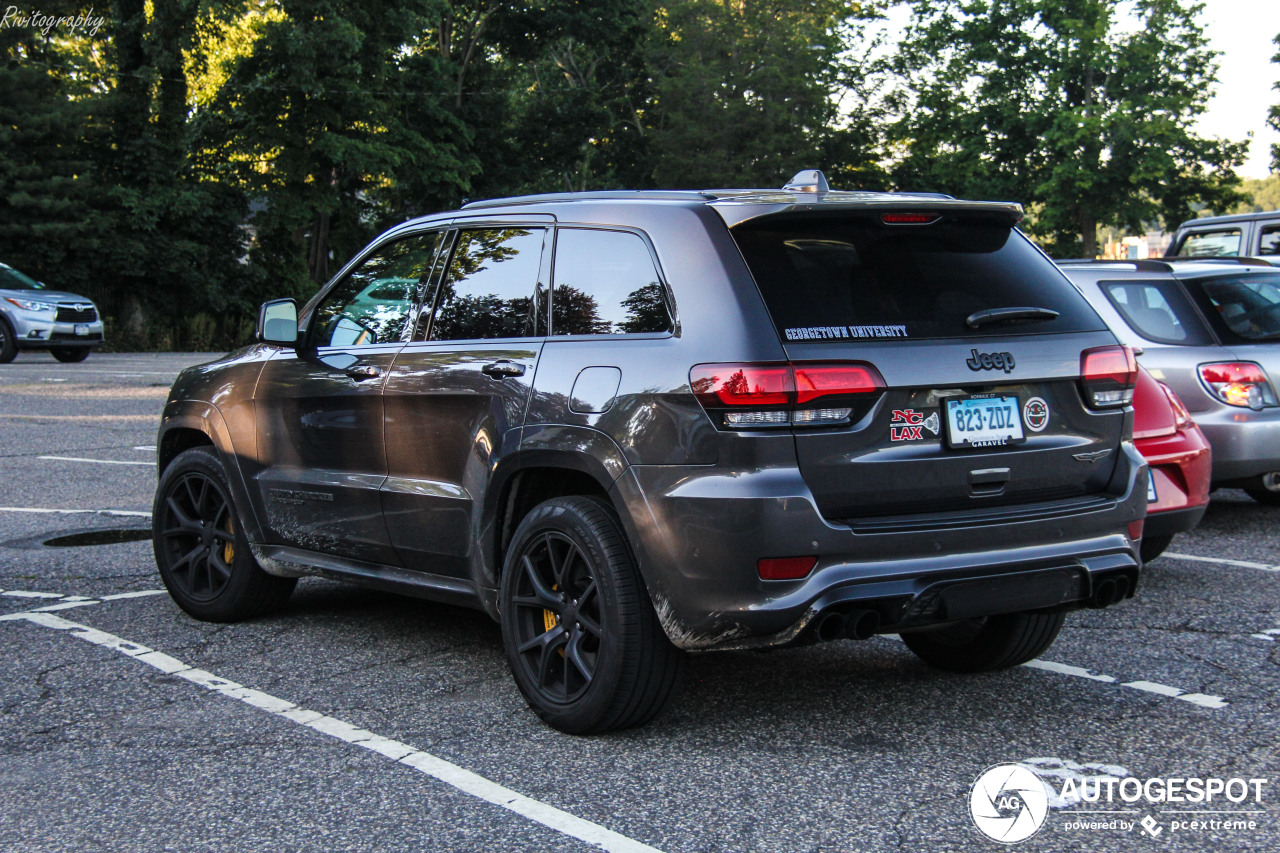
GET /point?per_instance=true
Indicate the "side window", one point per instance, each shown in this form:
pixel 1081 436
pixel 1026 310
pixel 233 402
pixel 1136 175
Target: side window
pixel 372 304
pixel 605 283
pixel 1211 244
pixel 490 289
pixel 1156 311
pixel 1269 240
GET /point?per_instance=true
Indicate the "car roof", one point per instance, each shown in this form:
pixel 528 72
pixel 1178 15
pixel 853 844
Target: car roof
pixel 1227 219
pixel 1177 267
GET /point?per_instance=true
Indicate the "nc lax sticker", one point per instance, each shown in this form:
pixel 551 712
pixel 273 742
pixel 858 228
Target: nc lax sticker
pixel 910 424
pixel 1035 414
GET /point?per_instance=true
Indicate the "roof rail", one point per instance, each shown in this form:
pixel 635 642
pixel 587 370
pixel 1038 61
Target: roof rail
pixel 1142 264
pixel 1224 259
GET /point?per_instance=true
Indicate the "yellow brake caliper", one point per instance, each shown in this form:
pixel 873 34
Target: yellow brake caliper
pixel 550 620
pixel 229 549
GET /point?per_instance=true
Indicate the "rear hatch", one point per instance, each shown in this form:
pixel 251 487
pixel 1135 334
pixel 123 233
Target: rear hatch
pixel 979 342
pixel 1244 310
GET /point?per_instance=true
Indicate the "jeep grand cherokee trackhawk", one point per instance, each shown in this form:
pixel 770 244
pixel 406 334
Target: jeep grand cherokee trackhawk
pixel 632 424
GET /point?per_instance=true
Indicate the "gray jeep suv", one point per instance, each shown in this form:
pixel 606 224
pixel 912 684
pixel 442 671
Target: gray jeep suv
pixel 631 424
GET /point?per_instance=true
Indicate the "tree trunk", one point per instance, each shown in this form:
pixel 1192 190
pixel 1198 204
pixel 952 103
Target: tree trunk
pixel 318 252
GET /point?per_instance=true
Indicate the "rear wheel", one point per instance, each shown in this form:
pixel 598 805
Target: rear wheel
pixel 200 546
pixel 991 642
pixel 8 346
pixel 70 354
pixel 583 641
pixel 1153 546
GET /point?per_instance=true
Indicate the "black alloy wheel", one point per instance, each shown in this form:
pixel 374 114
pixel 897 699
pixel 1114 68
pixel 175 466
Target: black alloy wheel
pixel 986 643
pixel 558 617
pixel 200 546
pixel 582 639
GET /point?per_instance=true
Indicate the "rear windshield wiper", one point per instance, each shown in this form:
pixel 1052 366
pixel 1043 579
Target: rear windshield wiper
pixel 987 316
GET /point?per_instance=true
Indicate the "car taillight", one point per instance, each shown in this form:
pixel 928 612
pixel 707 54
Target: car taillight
pixel 1181 417
pixel 1107 375
pixel 1239 383
pixel 785 568
pixel 742 396
pixel 909 218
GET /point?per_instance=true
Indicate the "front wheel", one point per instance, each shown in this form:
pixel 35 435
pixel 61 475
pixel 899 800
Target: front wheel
pixel 200 546
pixel 991 642
pixel 70 354
pixel 8 344
pixel 583 641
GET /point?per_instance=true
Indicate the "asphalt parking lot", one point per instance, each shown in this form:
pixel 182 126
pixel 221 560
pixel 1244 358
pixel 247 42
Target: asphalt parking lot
pixel 356 720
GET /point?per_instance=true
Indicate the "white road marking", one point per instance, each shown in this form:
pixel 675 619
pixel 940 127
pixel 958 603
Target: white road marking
pixel 145 447
pixel 1269 635
pixel 111 513
pixel 1202 699
pixel 22 593
pixel 437 768
pixel 99 461
pixel 1241 564
pixel 121 596
pixel 1062 769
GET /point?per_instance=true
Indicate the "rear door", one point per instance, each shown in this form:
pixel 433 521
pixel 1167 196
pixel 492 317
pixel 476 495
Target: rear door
pixel 457 394
pixel 983 405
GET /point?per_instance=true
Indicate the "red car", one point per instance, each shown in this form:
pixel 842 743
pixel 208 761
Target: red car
pixel 1178 454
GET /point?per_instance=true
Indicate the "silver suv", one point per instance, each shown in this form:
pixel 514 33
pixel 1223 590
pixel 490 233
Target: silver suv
pixel 1210 330
pixel 629 424
pixel 35 318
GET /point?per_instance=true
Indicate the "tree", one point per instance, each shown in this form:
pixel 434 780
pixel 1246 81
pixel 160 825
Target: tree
pixel 1273 118
pixel 745 89
pixel 1049 103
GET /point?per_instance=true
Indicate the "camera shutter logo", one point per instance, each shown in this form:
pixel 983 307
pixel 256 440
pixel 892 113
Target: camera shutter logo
pixel 1008 803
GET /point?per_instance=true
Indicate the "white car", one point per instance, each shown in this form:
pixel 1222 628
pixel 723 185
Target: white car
pixel 34 318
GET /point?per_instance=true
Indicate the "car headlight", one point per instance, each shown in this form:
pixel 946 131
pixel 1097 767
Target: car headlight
pixel 32 304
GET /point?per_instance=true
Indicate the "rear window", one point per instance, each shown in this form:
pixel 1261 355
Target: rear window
pixel 1211 244
pixel 1245 308
pixel 1158 311
pixel 1269 240
pixel 853 278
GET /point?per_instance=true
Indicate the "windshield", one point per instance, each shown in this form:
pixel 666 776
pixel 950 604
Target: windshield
pixel 1243 307
pixel 11 279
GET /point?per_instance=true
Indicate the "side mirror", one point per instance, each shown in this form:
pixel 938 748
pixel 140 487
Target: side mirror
pixel 278 323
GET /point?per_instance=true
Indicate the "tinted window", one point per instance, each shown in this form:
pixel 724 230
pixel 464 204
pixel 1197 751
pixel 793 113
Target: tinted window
pixel 1269 241
pixel 1211 244
pixel 1246 308
pixel 11 279
pixel 490 287
pixel 606 283
pixel 372 304
pixel 1157 310
pixel 853 278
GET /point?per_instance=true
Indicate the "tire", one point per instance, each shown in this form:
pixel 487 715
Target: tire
pixel 992 642
pixel 200 546
pixel 613 668
pixel 1153 546
pixel 8 344
pixel 70 354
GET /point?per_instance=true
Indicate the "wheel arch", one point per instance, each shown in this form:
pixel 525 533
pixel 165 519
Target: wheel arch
pixel 198 424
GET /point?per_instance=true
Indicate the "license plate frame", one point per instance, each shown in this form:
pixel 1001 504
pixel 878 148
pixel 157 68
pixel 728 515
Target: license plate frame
pixel 82 330
pixel 1152 497
pixel 968 422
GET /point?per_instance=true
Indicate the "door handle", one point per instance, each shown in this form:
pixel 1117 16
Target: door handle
pixel 363 371
pixel 503 369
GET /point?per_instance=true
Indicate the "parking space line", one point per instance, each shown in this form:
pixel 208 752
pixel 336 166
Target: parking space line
pixel 1203 700
pixel 402 753
pixel 99 461
pixel 1241 564
pixel 123 513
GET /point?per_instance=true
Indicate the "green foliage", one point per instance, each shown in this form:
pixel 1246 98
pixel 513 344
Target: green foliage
pixel 1273 117
pixel 1049 103
pixel 1260 195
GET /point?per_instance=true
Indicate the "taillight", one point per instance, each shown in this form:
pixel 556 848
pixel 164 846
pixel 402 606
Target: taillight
pixel 909 218
pixel 1239 383
pixel 1107 375
pixel 742 396
pixel 785 568
pixel 1181 417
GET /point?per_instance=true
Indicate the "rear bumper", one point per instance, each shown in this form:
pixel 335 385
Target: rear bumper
pixel 1245 443
pixel 699 531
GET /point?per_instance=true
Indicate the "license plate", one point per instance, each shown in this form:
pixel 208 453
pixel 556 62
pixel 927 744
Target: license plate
pixel 983 422
pixel 82 328
pixel 1151 486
